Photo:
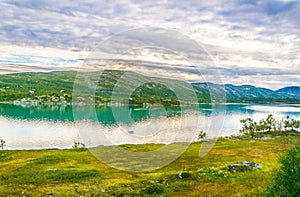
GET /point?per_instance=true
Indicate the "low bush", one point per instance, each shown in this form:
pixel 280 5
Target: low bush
pixel 71 175
pixel 154 189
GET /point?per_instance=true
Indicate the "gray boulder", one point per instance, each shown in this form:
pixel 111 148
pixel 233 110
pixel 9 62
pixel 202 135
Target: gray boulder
pixel 244 166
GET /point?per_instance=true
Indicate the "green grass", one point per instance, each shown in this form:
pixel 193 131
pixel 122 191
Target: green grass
pixel 78 173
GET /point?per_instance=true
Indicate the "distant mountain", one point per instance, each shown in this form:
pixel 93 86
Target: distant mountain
pixel 246 92
pixel 290 92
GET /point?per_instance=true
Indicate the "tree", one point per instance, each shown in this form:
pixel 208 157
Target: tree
pixel 2 144
pixel 262 125
pixel 249 127
pixel 270 123
pixel 286 123
pixel 295 124
pixel 287 178
pixel 280 125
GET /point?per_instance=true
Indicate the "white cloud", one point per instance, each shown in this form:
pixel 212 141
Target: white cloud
pixel 252 35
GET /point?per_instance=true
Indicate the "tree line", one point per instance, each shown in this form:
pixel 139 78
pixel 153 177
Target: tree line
pixel 270 126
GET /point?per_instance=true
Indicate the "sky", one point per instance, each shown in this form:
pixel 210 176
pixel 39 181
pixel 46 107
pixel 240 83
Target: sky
pixel 253 42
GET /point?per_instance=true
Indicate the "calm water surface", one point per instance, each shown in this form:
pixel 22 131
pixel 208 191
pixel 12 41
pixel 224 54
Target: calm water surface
pixel 53 126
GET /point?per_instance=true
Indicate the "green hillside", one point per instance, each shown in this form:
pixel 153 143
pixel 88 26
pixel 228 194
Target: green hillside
pixel 114 86
pixel 46 86
pixel 57 87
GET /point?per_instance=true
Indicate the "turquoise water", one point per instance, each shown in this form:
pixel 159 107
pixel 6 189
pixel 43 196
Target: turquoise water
pixel 53 126
pixel 105 114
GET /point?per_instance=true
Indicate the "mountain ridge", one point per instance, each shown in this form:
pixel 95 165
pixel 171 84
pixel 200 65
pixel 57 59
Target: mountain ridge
pixel 250 91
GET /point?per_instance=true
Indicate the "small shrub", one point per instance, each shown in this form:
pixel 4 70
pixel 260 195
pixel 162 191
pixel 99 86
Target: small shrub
pixel 183 175
pixel 78 146
pixel 120 192
pixel 154 189
pixel 201 136
pixel 2 144
pixel 122 189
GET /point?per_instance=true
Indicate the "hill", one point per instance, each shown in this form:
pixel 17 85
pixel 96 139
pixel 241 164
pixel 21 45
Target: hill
pixel 57 87
pixel 249 93
pixel 290 92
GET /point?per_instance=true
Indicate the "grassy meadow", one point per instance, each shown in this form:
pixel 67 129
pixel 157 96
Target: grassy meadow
pixel 76 172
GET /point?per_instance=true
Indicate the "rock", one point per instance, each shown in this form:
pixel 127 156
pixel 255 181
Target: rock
pixel 244 166
pixel 31 93
pixel 131 132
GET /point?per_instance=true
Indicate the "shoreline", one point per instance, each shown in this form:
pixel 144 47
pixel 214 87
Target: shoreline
pixel 214 139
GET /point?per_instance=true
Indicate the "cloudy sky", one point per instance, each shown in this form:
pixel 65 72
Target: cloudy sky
pixel 251 41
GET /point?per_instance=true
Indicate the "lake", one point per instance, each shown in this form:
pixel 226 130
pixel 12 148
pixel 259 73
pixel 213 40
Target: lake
pixel 55 126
